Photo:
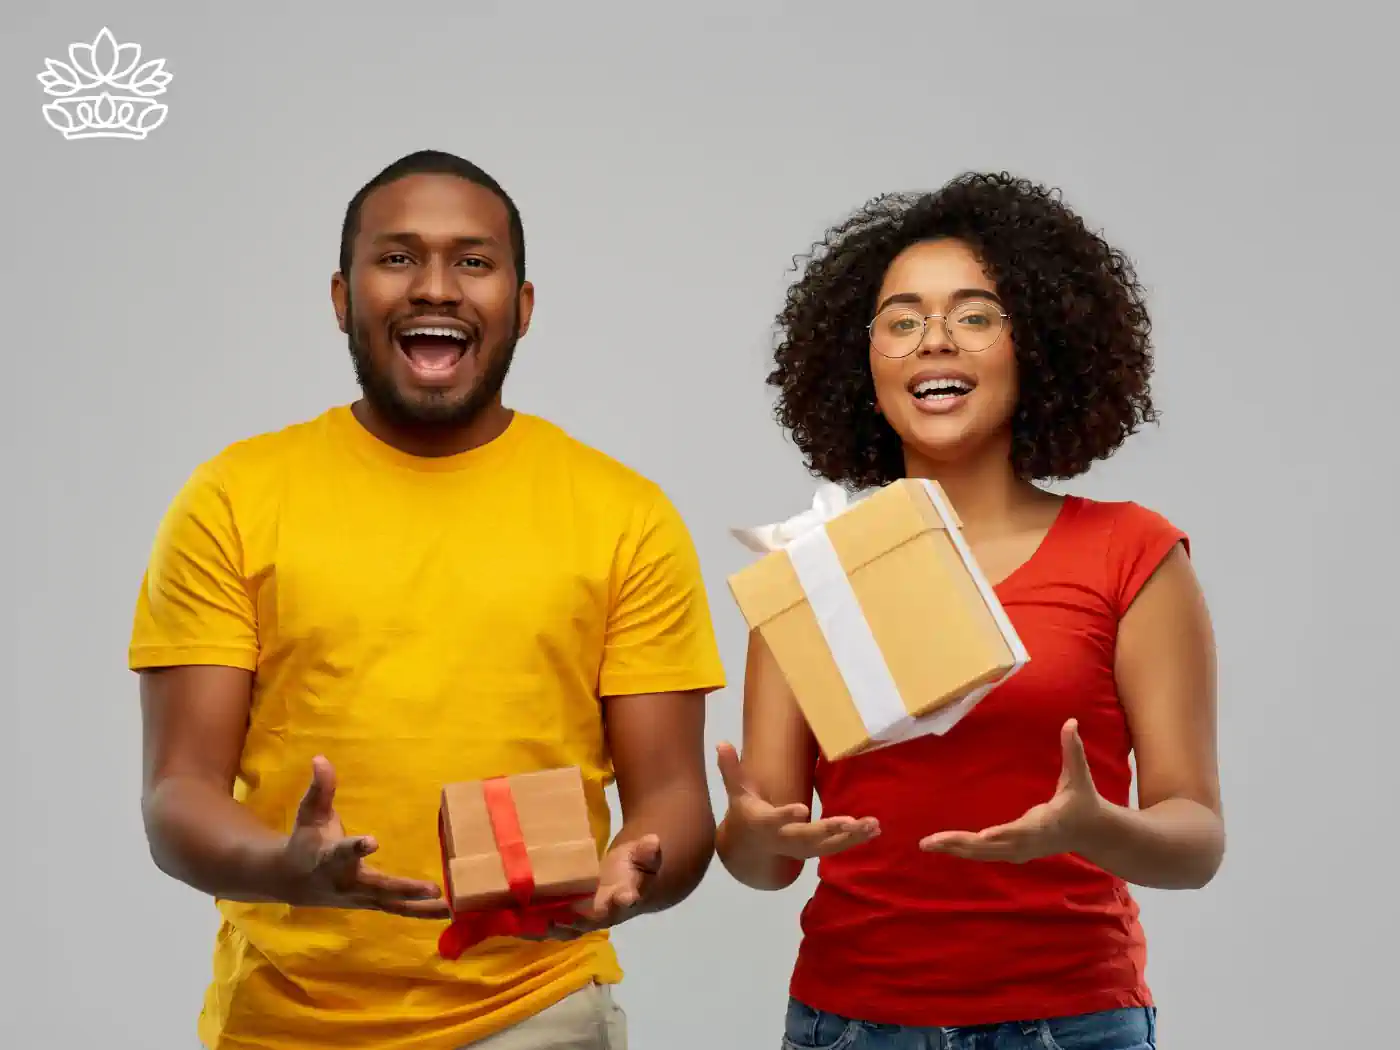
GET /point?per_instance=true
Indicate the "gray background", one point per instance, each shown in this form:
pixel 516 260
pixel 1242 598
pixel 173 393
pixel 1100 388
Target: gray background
pixel 164 298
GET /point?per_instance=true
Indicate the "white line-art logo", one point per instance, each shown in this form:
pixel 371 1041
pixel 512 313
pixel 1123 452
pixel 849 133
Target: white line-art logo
pixel 105 91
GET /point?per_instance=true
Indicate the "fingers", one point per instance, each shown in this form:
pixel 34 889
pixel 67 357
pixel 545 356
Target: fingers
pixel 1075 761
pixel 831 826
pixel 411 909
pixel 345 855
pixel 825 837
pixel 646 855
pixel 317 805
pixel 842 840
pixel 731 771
pixel 1011 843
pixel 394 886
pixel 778 816
pixel 412 898
pixel 971 846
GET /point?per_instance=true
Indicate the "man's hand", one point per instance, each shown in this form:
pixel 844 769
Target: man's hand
pixel 626 872
pixel 623 877
pixel 321 867
pixel 785 831
pixel 1061 825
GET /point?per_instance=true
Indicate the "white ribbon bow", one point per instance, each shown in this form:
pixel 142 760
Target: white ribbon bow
pixel 829 501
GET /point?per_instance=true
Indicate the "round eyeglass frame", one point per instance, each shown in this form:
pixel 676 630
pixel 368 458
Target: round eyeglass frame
pixel 923 334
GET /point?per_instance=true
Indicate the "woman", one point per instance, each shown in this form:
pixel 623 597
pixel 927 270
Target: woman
pixel 973 887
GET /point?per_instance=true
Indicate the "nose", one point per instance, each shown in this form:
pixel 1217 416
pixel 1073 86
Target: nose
pixel 434 284
pixel 936 339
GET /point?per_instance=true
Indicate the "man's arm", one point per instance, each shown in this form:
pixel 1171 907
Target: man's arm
pixel 195 645
pixel 657 742
pixel 660 662
pixel 194 720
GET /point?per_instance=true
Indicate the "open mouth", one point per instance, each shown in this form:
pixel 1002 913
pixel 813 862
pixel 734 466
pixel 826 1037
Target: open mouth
pixel 434 350
pixel 942 391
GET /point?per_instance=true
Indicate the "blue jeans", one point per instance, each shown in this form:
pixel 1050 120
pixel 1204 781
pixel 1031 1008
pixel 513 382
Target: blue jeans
pixel 1135 1029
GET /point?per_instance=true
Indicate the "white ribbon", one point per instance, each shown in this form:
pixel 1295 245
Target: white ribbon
pixel 837 610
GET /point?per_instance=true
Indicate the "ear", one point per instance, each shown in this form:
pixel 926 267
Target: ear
pixel 340 299
pixel 525 305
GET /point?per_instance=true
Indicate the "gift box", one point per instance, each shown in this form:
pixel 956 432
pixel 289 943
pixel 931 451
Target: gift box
pixel 877 614
pixel 517 853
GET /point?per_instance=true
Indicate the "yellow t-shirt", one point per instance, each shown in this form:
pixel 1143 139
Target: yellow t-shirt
pixel 417 621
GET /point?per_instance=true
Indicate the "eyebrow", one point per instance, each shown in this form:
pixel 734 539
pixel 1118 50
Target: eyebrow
pixel 459 242
pixel 914 299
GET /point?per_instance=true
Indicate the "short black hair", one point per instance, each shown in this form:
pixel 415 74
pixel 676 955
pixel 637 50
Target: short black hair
pixel 431 162
pixel 1078 320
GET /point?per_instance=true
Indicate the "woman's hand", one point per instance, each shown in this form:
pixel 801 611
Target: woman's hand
pixel 784 831
pixel 1061 825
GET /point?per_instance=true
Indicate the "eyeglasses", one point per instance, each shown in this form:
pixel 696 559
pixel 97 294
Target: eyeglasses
pixel 972 327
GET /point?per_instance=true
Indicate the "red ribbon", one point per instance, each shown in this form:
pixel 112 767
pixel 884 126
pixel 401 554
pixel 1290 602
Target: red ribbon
pixel 527 917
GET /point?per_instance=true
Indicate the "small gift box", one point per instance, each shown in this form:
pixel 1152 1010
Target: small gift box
pixel 518 853
pixel 877 614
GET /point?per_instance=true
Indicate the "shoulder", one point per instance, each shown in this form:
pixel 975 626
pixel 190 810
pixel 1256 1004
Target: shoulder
pixel 247 471
pixel 619 506
pixel 1131 540
pixel 251 456
pixel 1123 523
pixel 604 476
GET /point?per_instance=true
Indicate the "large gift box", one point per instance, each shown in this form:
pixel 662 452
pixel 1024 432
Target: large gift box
pixel 517 853
pixel 877 614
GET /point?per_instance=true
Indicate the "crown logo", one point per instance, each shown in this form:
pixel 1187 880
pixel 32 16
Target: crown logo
pixel 104 91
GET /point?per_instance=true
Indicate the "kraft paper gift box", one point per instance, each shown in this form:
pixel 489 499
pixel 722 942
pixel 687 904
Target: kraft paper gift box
pixel 877 614
pixel 518 853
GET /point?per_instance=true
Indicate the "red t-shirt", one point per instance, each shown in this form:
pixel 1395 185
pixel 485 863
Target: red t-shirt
pixel 898 936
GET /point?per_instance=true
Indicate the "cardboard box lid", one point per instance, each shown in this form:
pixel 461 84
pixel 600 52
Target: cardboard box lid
pixel 869 529
pixel 550 804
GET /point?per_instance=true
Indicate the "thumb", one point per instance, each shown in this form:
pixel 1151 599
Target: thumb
pixel 646 854
pixel 1075 763
pixel 731 771
pixel 318 804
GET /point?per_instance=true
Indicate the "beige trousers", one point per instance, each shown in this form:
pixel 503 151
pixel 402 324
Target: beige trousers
pixel 587 1020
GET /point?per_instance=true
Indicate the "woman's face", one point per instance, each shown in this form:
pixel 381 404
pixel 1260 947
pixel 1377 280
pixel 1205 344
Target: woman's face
pixel 946 399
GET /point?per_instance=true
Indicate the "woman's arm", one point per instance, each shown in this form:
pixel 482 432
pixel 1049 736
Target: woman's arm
pixel 1166 672
pixel 779 756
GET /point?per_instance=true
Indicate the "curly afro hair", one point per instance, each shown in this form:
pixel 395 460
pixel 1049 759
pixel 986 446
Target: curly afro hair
pixel 1077 315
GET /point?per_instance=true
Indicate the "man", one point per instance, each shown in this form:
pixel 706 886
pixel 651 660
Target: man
pixel 422 587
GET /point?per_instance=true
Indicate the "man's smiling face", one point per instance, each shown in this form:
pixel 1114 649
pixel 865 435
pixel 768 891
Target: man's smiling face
pixel 432 306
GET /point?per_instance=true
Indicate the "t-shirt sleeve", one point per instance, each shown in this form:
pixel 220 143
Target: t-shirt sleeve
pixel 194 605
pixel 660 634
pixel 1141 541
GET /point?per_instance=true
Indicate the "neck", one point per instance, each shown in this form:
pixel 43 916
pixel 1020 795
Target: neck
pixel 983 488
pixel 432 441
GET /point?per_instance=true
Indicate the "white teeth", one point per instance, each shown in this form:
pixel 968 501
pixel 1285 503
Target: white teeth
pixel 445 333
pixel 941 387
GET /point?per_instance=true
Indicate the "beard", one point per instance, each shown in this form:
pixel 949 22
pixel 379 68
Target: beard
pixel 435 409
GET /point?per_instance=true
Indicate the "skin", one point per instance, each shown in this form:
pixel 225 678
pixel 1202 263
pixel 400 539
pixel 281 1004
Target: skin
pixel 432 246
pixel 427 245
pixel 1165 663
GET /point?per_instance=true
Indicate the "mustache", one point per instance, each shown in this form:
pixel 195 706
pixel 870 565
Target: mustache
pixel 354 321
